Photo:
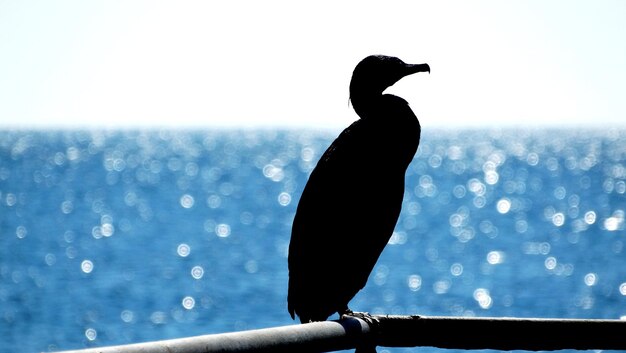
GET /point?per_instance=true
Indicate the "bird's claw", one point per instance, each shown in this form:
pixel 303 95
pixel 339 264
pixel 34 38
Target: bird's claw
pixel 369 319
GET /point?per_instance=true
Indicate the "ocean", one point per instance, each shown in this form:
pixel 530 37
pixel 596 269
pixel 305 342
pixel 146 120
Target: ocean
pixel 121 236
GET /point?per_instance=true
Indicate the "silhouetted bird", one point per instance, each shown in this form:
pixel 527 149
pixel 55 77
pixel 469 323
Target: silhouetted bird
pixel 351 202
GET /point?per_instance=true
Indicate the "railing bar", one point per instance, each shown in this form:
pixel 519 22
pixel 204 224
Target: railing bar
pixel 532 334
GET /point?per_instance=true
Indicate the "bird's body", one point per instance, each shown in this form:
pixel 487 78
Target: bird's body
pixel 351 203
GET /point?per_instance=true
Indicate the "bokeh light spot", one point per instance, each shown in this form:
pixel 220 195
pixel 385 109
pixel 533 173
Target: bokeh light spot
pixel 590 217
pixel 456 269
pixel 214 201
pixel 187 201
pixel 127 316
pixel 284 198
pixel 495 257
pixel 591 279
pixel 492 177
pixel 558 219
pixel 197 272
pixel 91 334
pixel 622 288
pixel 550 263
pixel 21 232
pixel 504 205
pixel 50 259
pixel 251 266
pixel 615 222
pixel 86 266
pixel 158 317
pixel 482 296
pixel 183 250
pixel 189 303
pixel 414 282
pixel 442 286
pixel 222 230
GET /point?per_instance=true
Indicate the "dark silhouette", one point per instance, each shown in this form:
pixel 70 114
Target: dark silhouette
pixel 352 200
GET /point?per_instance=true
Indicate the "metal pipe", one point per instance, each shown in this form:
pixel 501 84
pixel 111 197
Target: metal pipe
pixel 530 334
pixel 324 336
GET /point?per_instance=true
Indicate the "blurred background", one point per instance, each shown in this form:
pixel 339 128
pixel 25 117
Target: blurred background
pixel 152 155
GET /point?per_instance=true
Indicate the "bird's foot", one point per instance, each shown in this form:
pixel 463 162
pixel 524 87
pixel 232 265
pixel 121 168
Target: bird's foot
pixel 364 347
pixel 360 315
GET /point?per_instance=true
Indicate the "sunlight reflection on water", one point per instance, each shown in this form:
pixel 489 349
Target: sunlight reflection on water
pixel 114 237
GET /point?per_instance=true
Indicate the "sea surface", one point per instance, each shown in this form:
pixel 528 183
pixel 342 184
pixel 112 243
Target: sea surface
pixel 121 236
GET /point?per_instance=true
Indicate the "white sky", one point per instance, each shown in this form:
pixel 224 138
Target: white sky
pixel 77 63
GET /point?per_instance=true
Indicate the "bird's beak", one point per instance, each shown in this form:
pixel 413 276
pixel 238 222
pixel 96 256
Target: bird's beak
pixel 413 68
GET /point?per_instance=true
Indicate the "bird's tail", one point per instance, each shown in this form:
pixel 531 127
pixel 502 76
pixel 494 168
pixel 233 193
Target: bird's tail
pixel 291 310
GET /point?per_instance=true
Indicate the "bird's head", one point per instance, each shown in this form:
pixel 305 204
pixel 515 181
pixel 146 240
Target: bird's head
pixel 375 73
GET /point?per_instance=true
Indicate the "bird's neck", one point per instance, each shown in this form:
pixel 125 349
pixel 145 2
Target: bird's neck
pixel 366 104
pixel 376 106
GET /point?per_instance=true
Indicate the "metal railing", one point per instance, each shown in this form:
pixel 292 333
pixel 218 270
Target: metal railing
pixel 530 334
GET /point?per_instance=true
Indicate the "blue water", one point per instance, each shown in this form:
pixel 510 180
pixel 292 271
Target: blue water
pixel 115 237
